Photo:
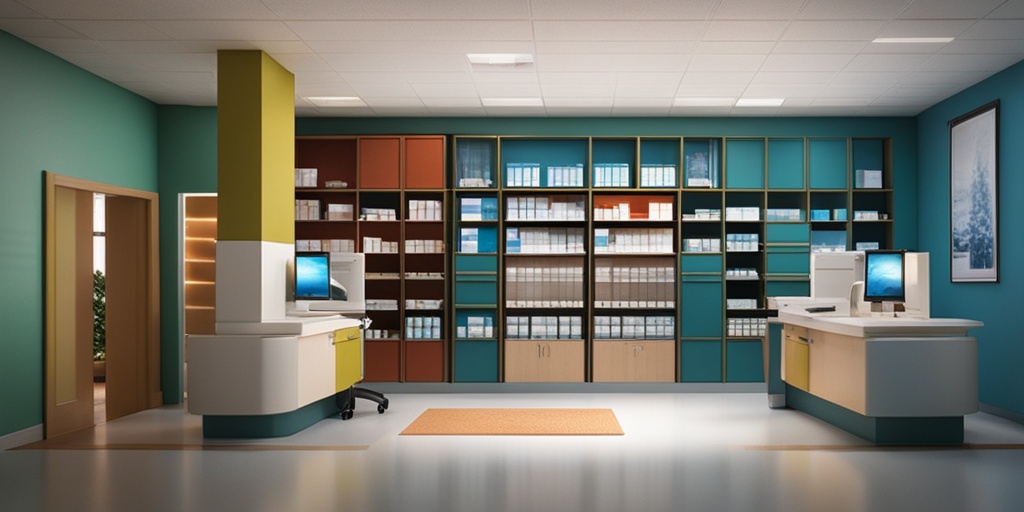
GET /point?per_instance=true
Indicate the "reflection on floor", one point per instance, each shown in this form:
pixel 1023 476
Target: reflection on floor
pixel 99 400
pixel 690 451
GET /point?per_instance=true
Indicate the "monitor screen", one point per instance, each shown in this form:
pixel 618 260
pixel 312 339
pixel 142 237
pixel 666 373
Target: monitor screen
pixel 884 276
pixel 312 276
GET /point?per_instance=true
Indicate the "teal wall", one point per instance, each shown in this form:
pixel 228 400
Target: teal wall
pixel 1000 342
pixel 902 130
pixel 55 117
pixel 187 139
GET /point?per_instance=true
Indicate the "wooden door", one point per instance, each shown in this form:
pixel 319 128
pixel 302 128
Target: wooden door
pixel 69 247
pixel 132 323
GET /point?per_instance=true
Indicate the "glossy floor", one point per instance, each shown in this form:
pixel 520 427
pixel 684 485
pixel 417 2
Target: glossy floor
pixel 692 451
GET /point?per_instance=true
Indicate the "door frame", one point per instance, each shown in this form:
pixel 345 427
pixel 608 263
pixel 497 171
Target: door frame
pixel 150 311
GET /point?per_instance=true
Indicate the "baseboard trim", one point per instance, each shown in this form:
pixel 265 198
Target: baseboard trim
pixel 21 437
pixel 564 387
pixel 1002 413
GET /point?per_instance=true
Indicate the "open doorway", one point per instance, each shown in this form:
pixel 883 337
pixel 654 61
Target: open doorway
pixel 99 306
pixel 131 299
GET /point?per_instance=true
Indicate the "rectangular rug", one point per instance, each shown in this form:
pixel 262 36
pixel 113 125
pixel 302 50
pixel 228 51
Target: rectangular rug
pixel 515 422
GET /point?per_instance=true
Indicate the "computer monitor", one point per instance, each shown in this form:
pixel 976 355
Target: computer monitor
pixel 884 276
pixel 312 276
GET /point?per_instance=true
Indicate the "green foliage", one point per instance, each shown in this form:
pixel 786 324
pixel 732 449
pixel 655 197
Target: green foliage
pixel 99 316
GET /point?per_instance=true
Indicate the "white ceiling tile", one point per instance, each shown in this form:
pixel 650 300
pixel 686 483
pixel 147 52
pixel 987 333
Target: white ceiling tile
pixel 792 77
pixel 585 90
pixel 274 47
pixel 851 10
pixel 842 102
pixel 617 30
pixel 744 30
pixel 735 47
pixel 510 77
pixel 716 77
pixel 995 29
pixel 324 89
pixel 969 63
pixel 399 9
pixel 639 91
pixel 925 28
pixel 833 30
pixel 466 102
pixel 979 46
pixel 952 9
pixel 812 47
pixel 880 78
pixel 922 49
pixel 423 78
pixel 767 90
pixel 226 30
pixel 710 90
pixel 577 102
pixel 347 111
pixel 886 62
pixel 650 79
pixel 190 62
pixel 663 102
pixel 301 62
pixel 617 62
pixel 586 47
pixel 440 30
pixel 373 63
pixel 419 46
pixel 153 10
pixel 116 30
pixel 301 111
pixel 62 46
pixel 1013 9
pixel 760 10
pixel 376 102
pixel 31 29
pixel 445 90
pixel 621 9
pixel 795 62
pixel 388 91
pixel 506 90
pixel 317 77
pixel 14 10
pixel 841 90
pixel 570 79
pixel 726 63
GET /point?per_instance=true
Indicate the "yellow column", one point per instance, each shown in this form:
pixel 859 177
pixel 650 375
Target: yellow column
pixel 255 147
pixel 255 187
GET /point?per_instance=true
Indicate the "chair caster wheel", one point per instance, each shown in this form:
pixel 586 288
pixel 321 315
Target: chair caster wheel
pixel 347 414
pixel 381 409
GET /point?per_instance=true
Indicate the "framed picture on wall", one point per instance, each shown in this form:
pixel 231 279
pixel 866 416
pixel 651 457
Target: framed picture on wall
pixel 974 195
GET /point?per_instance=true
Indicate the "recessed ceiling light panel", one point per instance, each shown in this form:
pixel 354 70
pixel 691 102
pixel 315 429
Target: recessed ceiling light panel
pixel 336 101
pixel 919 40
pixel 500 59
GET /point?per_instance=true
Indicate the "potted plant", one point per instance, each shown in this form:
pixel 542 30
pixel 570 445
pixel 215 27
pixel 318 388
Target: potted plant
pixel 99 326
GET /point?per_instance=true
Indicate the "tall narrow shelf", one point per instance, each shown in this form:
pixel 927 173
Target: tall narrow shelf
pixel 474 312
pixel 384 196
pixel 200 268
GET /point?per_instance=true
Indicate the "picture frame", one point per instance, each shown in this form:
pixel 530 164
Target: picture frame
pixel 974 195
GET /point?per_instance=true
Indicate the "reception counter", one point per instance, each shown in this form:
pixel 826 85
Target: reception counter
pixel 889 380
pixel 272 379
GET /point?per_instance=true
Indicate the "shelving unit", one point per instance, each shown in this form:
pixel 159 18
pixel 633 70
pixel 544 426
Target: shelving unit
pixel 729 221
pixel 390 203
pixel 200 263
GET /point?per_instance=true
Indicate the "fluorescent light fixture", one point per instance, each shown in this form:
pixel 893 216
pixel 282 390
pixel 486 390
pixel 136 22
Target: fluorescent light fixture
pixel 336 101
pixel 500 59
pixel 925 40
pixel 512 102
pixel 703 102
pixel 760 102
